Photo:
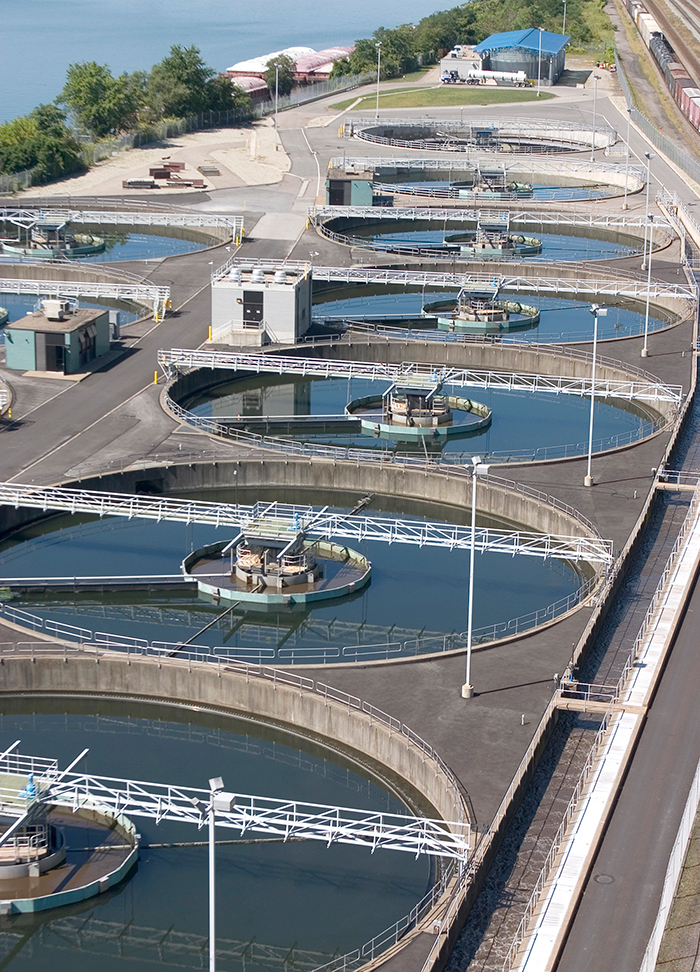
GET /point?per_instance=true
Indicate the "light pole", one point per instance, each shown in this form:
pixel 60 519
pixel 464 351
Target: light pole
pixel 478 469
pixel 627 157
pixel 218 800
pixel 596 79
pixel 645 350
pixel 563 25
pixel 596 311
pixel 648 156
pixel 539 59
pixel 378 45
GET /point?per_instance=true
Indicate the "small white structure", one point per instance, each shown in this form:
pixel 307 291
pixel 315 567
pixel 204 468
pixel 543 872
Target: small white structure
pixel 252 306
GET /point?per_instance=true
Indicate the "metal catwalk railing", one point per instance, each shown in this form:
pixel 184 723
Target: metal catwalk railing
pixel 281 818
pixel 128 941
pixel 569 813
pixel 627 389
pixel 275 518
pixel 620 284
pixel 327 653
pixel 622 221
pixel 497 162
pixel 87 289
pixel 147 217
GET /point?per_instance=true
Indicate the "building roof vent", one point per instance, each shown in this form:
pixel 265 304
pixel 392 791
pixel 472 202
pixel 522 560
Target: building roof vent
pixel 55 310
pixel 257 276
pixel 235 275
pixel 280 277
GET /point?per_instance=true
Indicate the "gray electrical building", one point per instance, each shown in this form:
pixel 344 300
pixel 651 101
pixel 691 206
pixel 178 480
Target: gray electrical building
pixel 255 305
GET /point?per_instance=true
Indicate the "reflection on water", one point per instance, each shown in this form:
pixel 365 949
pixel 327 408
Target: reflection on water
pixel 415 601
pixel 560 320
pixel 523 426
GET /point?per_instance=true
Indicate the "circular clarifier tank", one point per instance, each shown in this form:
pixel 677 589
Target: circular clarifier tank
pixel 536 242
pixel 523 426
pixel 120 243
pixel 414 604
pixel 276 899
pixel 560 320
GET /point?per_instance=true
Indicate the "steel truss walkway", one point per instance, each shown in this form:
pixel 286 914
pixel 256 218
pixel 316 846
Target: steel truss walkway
pixel 495 162
pixel 35 217
pixel 319 214
pixel 620 285
pixel 628 389
pixel 281 818
pixel 157 297
pixel 275 518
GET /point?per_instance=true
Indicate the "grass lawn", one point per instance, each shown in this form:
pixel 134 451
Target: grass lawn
pixel 445 95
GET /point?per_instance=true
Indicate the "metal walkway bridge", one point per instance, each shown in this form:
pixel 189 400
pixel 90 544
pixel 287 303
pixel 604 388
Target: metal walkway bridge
pixel 35 217
pixel 637 389
pixel 619 285
pixel 145 294
pixel 540 219
pixel 274 518
pixel 30 781
pixel 495 163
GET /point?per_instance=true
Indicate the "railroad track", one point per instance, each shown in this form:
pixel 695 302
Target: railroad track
pixel 684 51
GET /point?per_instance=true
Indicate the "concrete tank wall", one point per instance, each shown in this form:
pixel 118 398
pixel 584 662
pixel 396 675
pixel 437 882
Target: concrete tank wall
pixel 175 681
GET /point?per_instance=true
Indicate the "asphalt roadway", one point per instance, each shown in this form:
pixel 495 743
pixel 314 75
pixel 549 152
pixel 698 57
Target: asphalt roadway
pixel 482 739
pixel 621 898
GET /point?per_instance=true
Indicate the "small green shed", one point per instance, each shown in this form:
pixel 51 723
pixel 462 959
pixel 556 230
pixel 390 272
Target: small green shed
pixel 57 338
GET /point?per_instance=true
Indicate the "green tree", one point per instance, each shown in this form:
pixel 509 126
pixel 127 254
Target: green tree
pixel 285 74
pixel 101 104
pixel 224 95
pixel 177 86
pixel 42 141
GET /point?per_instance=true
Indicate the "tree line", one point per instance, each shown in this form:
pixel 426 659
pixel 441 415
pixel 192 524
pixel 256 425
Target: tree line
pixel 94 104
pixel 410 46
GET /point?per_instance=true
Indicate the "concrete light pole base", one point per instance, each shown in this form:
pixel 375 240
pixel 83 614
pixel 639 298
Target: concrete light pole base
pixel 587 480
pixel 645 352
pixel 467 691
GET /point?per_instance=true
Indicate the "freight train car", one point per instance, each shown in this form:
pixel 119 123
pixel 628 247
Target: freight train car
pixel 679 83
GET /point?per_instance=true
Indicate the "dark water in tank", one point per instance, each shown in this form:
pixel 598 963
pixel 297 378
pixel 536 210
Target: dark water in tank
pixel 272 897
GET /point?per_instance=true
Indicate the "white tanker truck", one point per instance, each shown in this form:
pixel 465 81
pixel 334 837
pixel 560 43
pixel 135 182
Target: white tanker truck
pixel 476 76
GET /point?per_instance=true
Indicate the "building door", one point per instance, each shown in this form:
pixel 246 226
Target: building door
pixel 50 351
pixel 252 308
pixel 55 357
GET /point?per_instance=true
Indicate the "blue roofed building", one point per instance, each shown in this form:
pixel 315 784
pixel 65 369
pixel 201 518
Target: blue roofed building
pixel 520 50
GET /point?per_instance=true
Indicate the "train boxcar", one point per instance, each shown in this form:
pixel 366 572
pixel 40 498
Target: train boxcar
pixel 648 28
pixel 682 88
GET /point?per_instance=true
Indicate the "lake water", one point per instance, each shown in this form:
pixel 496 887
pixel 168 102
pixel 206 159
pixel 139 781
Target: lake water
pixel 40 38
